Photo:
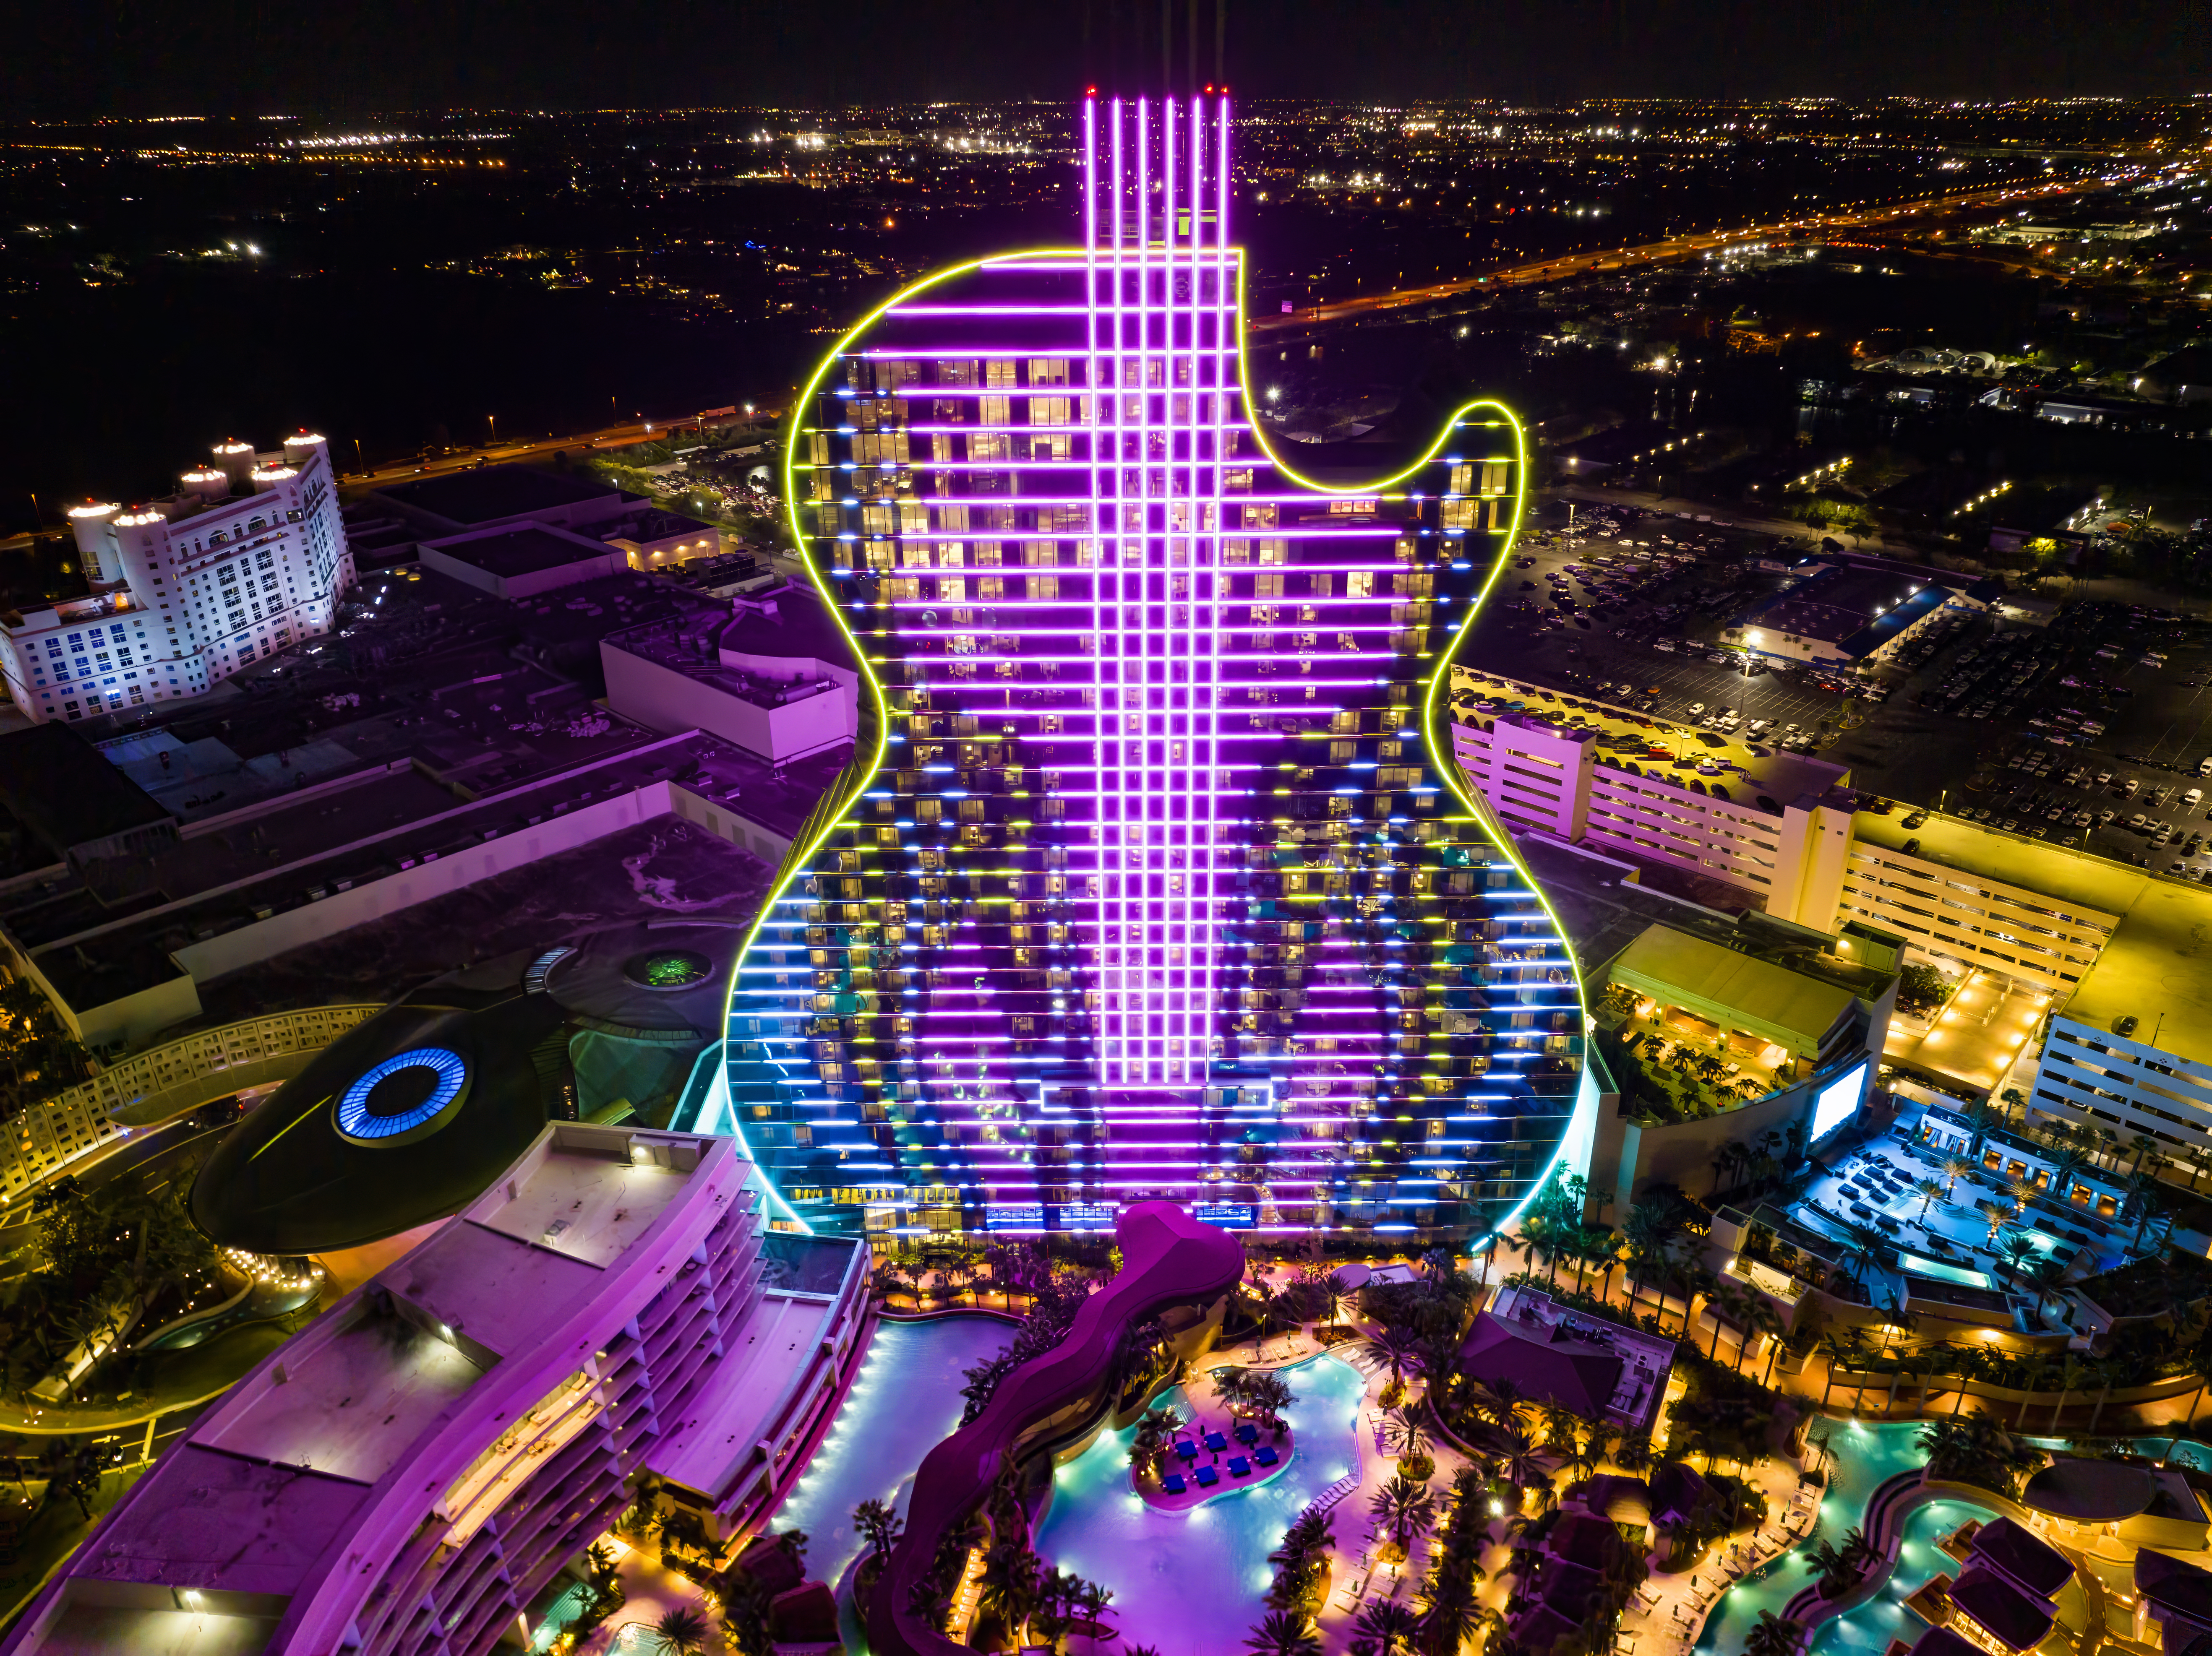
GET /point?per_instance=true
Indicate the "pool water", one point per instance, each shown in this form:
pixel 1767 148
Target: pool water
pixel 1191 1583
pixel 904 1402
pixel 1861 1457
pixel 1943 1273
pixel 1869 1628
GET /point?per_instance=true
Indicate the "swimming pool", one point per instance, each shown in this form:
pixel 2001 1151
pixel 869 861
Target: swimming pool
pixel 904 1402
pixel 1191 1583
pixel 1943 1273
pixel 1862 1457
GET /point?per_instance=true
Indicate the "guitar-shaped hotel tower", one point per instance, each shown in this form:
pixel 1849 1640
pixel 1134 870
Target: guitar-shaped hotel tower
pixel 1153 876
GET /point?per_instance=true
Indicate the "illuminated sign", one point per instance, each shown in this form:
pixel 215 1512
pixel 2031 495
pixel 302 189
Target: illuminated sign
pixel 1224 1213
pixel 1085 1216
pixel 1020 1215
pixel 1837 1102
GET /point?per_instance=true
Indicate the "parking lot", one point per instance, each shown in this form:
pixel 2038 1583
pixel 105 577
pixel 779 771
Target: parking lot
pixel 1966 724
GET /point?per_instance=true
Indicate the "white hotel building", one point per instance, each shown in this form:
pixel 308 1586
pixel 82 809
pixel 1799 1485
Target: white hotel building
pixel 248 557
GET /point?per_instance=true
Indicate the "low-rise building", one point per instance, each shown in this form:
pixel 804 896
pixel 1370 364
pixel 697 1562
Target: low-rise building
pixel 408 1471
pixel 1846 611
pixel 778 678
pixel 479 501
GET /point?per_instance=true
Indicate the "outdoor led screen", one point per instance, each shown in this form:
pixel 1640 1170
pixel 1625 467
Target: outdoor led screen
pixel 1151 879
pixel 1834 1103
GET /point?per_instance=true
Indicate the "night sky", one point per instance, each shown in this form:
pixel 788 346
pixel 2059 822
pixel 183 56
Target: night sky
pixel 67 58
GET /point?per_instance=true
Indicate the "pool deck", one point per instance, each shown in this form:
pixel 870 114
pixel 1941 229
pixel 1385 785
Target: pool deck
pixel 1668 1612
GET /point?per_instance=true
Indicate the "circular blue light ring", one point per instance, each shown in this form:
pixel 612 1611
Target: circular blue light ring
pixel 354 1120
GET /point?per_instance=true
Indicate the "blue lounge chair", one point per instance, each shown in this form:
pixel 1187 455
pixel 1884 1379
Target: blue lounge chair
pixel 1239 1467
pixel 1248 1433
pixel 1216 1442
pixel 1173 1484
pixel 1187 1449
pixel 1265 1455
pixel 1207 1477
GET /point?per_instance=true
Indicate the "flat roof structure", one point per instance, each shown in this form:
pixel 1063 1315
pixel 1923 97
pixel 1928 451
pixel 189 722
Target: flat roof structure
pixel 71 799
pixel 523 561
pixel 2088 887
pixel 1843 601
pixel 1733 989
pixel 1780 776
pixel 2160 959
pixel 492 493
pixel 2090 1491
pixel 528 550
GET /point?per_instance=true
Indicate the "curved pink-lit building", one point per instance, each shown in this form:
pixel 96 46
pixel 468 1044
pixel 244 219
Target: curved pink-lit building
pixel 402 1476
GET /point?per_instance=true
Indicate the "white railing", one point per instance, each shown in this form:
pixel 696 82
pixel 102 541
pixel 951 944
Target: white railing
pixel 45 1138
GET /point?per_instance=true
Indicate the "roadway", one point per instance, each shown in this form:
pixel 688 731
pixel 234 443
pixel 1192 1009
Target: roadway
pixel 621 436
pixel 1559 269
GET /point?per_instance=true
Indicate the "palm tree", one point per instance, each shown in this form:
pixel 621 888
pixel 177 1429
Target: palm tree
pixel 875 1520
pixel 1773 1636
pixel 1540 1244
pixel 682 1631
pixel 1758 1318
pixel 1405 1506
pixel 2143 1145
pixel 1956 1167
pixel 1008 1583
pixel 2071 1374
pixel 1402 1349
pixel 2019 1248
pixel 1836 1567
pixel 1930 1191
pixel 1282 1633
pixel 1501 1402
pixel 1404 1434
pixel 1518 1462
pixel 1091 1599
pixel 1390 1624
pixel 2071 1163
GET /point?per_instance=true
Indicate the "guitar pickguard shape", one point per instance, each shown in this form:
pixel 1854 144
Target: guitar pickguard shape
pixel 1154 878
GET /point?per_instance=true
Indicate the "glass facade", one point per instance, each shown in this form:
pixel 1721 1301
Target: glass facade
pixel 1152 879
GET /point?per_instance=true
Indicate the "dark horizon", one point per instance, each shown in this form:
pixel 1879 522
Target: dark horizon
pixel 247 57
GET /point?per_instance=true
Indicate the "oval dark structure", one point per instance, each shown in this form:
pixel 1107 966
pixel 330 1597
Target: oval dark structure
pixel 407 1118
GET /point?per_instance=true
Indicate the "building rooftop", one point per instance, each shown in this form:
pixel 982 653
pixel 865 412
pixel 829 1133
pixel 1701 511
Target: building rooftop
pixel 249 1511
pixel 1590 1365
pixel 2090 1491
pixel 222 875
pixel 1623 739
pixel 486 496
pixel 66 794
pixel 2086 887
pixel 521 551
pixel 2025 1557
pixel 2180 1589
pixel 2017 1619
pixel 2158 969
pixel 790 619
pixel 1790 1008
pixel 1840 601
